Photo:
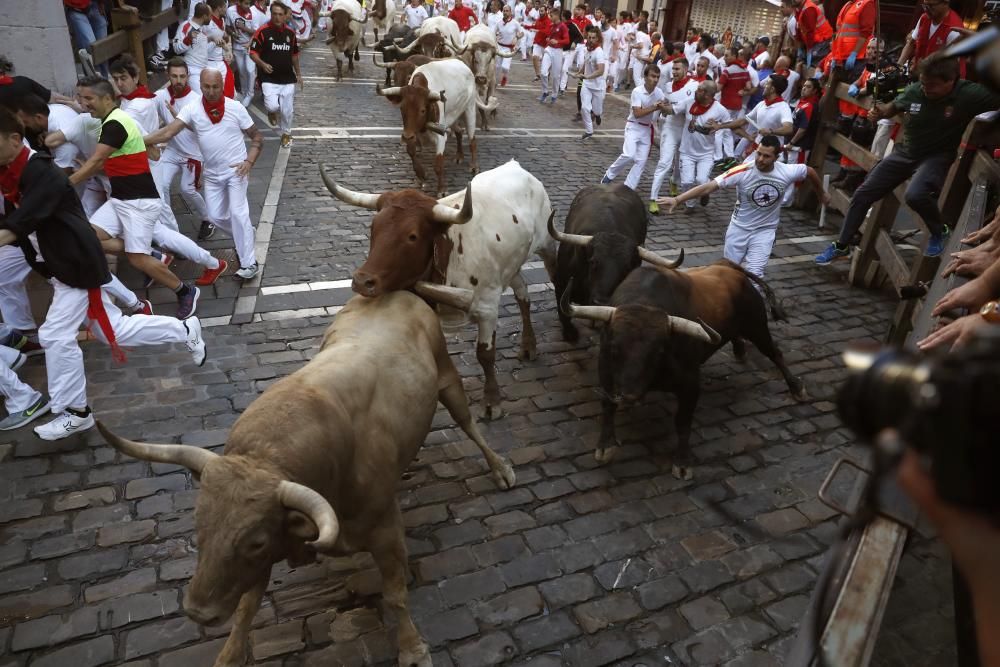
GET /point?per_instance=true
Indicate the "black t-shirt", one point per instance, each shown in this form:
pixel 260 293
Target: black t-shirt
pixel 21 86
pixel 137 185
pixel 802 120
pixel 276 47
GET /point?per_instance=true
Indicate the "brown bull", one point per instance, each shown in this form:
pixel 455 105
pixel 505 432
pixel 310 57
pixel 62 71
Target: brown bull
pixel 402 70
pixel 313 465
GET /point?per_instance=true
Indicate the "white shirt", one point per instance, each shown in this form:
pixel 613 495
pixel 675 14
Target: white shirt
pixel 242 39
pixel 259 17
pixel 760 60
pixel 592 60
pixel 952 35
pixel 691 54
pixel 770 117
pixel 60 116
pixel 143 111
pixel 520 9
pixel 645 46
pixel 608 37
pixel 196 53
pixel 640 98
pixel 184 146
pixel 759 194
pixel 713 62
pixel 415 16
pixel 216 53
pixel 675 121
pixel 696 144
pixel 792 27
pixel 493 20
pixel 221 143
pixel 83 132
pixel 506 33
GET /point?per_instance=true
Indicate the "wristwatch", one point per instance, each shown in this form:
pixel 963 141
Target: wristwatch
pixel 991 311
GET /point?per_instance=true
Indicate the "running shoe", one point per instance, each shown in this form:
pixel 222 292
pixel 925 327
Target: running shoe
pixel 144 308
pixel 605 180
pixel 272 118
pixel 188 303
pixel 578 117
pixel 832 253
pixel 286 141
pixel 18 361
pixel 597 119
pixel 27 347
pixel 209 276
pixel 248 272
pixel 654 208
pixel 703 200
pixel 542 98
pixel 64 425
pixel 503 82
pixel 587 135
pixel 936 243
pixel 25 417
pixel 207 230
pixel 195 344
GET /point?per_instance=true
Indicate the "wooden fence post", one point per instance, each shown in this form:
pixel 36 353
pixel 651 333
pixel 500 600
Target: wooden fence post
pixel 127 18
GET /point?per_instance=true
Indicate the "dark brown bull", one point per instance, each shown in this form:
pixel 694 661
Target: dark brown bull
pixel 402 70
pixel 662 325
pixel 345 33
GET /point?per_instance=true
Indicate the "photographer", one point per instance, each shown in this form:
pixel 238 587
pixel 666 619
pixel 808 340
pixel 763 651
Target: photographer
pixel 936 28
pixel 935 112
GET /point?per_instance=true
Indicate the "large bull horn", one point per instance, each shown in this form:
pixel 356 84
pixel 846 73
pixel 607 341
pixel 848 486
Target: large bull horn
pixel 505 54
pixel 436 128
pixel 386 92
pixel 656 260
pixel 436 96
pixel 698 330
pixel 383 64
pixel 450 216
pixel 491 106
pixel 298 497
pixel 456 49
pixel 562 237
pixel 456 297
pixel 192 458
pixel 362 199
pixel 406 50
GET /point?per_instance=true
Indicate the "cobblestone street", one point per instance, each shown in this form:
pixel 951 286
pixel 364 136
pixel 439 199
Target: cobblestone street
pixel 577 565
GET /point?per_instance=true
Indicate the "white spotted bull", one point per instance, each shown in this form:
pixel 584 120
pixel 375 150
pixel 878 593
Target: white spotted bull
pixel 346 28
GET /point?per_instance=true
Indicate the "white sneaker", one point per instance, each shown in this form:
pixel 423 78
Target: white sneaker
pixel 247 99
pixel 18 361
pixel 64 425
pixel 248 272
pixel 195 343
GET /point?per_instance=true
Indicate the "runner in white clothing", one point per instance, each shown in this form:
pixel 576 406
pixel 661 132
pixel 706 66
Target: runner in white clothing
pixel 192 42
pixel 415 14
pixel 760 187
pixel 595 65
pixel 508 32
pixel 240 20
pixel 772 116
pixel 680 89
pixel 646 103
pixel 220 123
pixel 697 146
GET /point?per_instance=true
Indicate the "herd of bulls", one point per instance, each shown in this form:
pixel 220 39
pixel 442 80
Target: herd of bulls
pixel 313 464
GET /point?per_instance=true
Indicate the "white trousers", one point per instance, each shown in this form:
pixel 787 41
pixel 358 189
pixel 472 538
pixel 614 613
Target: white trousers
pixel 115 221
pixel 637 67
pixel 247 69
pixel 15 308
pixel 591 102
pixel 695 170
pixel 194 78
pixel 526 42
pixel 189 188
pixel 279 98
pixel 551 69
pixel 724 139
pixel 229 209
pixel 162 37
pixel 63 356
pixel 749 248
pixel 93 193
pixel 670 141
pixel 573 60
pixel 167 218
pixel 116 290
pixel 19 396
pixel 635 151
pixel 178 243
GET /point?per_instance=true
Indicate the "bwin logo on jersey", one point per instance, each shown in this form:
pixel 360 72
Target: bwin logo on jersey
pixel 281 47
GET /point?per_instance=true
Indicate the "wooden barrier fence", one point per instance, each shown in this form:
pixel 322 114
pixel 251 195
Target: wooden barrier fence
pixel 878 258
pixel 130 31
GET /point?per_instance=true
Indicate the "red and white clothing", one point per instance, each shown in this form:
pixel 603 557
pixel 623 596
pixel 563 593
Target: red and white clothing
pixel 182 156
pixel 415 16
pixel 279 48
pixel 678 93
pixel 929 37
pixel 770 115
pixel 593 91
pixel 191 41
pixel 811 24
pixel 14 305
pixel 142 107
pixel 645 46
pixel 239 23
pixel 638 136
pixel 732 81
pixel 552 59
pixel 60 116
pixel 691 52
pixel 83 132
pixel 527 21
pixel 508 34
pixel 301 20
pixel 750 235
pixel 464 16
pixel 222 146
pixel 697 149
pixel 17 395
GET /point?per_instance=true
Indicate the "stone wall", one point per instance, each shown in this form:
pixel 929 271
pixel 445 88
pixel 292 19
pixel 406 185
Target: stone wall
pixel 35 37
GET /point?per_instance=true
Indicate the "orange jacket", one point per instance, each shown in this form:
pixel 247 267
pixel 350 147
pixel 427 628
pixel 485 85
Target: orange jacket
pixel 856 22
pixel 811 24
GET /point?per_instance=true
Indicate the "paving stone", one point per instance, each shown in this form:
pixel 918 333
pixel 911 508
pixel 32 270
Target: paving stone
pixel 708 546
pixel 140 607
pixel 658 630
pixel 623 574
pixel 457 535
pixel 158 636
pixel 98 517
pixel 36 603
pixel 788 613
pixel 747 596
pixel 12 553
pixel 508 522
pixel 509 607
pixel 599 614
pixel 12 510
pixel 61 545
pixel 446 564
pixel 131 531
pixel 661 592
pixel 22 578
pixel 746 631
pixel 530 569
pixel 705 576
pixel 447 626
pixel 464 588
pixel 704 612
pixel 53 630
pixel 790 579
pixel 783 521
pixel 274 640
pixel 490 649
pixel 500 550
pixel 93 652
pixel 95 562
pixel 136 581
pixel 204 653
pixel 546 631
pixel 708 647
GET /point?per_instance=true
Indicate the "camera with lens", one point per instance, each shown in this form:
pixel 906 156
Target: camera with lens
pixel 888 83
pixel 944 407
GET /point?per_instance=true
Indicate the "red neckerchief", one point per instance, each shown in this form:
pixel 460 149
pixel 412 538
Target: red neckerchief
pixel 740 63
pixel 140 92
pixel 697 109
pixel 677 85
pixel 777 98
pixel 759 51
pixel 214 110
pixel 506 21
pixel 591 48
pixel 10 176
pixel 6 80
pixel 217 20
pixel 239 10
pixel 693 41
pixel 173 98
pixel 700 77
pixel 783 72
pixel 808 105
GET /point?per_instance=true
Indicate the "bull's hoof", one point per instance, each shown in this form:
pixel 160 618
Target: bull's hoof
pixel 492 410
pixel 504 476
pixel 682 471
pixel 801 395
pixel 459 158
pixel 605 455
pixel 418 657
pixel 441 194
pixel 528 353
pixel 474 170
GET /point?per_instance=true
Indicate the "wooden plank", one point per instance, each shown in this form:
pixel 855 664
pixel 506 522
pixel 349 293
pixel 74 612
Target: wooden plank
pixel 983 167
pixel 891 260
pixel 839 200
pixel 164 19
pixel 883 216
pixel 109 48
pixel 865 102
pixel 864 158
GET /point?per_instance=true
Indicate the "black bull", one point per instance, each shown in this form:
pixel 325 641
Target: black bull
pixel 386 46
pixel 662 325
pixel 604 232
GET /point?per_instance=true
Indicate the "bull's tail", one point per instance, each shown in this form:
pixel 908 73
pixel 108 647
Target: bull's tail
pixel 777 310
